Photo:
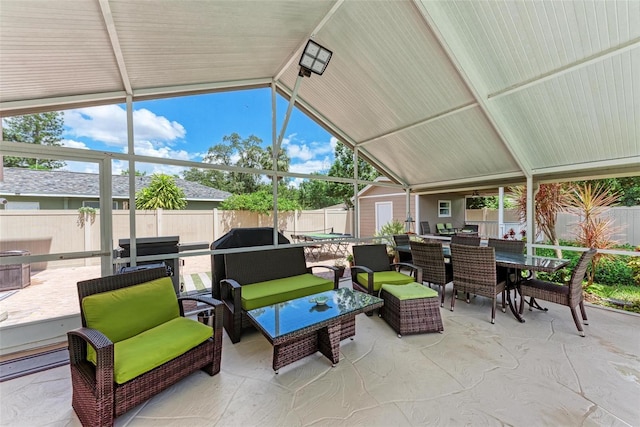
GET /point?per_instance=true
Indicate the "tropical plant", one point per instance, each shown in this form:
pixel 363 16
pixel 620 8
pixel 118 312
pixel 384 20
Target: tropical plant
pixel 589 202
pixel 85 214
pixel 549 200
pixel 162 193
pixel 386 232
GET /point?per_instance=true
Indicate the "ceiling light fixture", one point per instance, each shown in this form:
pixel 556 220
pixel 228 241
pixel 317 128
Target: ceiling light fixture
pixel 314 59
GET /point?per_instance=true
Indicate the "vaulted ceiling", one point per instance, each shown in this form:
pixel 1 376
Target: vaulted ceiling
pixel 437 94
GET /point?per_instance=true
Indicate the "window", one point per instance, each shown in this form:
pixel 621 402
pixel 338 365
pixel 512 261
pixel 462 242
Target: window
pixel 444 208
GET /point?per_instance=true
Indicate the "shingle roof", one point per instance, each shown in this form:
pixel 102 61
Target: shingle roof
pixel 64 183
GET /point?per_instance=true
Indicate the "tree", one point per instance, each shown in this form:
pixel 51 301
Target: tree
pixel 343 167
pixel 125 172
pixel 588 202
pixel 43 129
pixel 314 194
pixel 162 192
pixel 627 189
pixel 549 200
pixel 259 201
pixel 235 151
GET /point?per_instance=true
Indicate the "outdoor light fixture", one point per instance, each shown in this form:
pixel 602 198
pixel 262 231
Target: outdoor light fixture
pixel 408 224
pixel 314 59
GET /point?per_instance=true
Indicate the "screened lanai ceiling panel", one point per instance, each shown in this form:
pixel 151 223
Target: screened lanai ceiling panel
pixel 447 150
pixel 387 71
pixel 551 85
pixel 210 41
pixel 589 114
pixel 508 43
pixel 54 48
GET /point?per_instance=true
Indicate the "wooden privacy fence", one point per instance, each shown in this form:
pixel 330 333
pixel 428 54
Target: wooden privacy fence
pixel 58 231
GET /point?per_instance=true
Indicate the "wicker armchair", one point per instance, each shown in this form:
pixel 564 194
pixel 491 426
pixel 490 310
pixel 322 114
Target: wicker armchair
pixel 372 268
pixel 474 271
pixel 570 295
pixel 463 239
pixel 97 398
pixel 429 257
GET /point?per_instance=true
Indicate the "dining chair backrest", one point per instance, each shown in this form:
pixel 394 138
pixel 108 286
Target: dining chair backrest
pixel 575 283
pixel 510 246
pixel 374 257
pixel 473 265
pixel 424 227
pixel 462 239
pixel 401 239
pixel 429 257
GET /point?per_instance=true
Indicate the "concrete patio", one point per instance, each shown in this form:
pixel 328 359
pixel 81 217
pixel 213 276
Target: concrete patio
pixel 474 373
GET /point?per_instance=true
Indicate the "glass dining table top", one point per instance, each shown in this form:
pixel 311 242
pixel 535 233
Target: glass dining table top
pixel 288 317
pixel 513 260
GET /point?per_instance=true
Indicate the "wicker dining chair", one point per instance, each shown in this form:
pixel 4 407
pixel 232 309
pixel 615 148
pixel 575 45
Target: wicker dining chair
pixel 474 271
pixel 424 227
pixel 402 240
pixel 570 295
pixel 510 246
pixel 462 239
pixel 429 257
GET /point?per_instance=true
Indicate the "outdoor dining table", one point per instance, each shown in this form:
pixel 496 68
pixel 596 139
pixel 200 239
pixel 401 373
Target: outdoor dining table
pixel 516 262
pixel 332 241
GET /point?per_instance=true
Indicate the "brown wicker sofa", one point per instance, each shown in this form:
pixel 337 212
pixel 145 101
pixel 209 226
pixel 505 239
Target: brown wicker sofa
pixel 260 278
pixel 106 383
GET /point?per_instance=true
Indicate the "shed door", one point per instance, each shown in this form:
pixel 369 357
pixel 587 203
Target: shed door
pixel 384 214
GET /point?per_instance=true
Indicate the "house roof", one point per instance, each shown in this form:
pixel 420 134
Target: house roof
pixel 57 183
pixel 436 94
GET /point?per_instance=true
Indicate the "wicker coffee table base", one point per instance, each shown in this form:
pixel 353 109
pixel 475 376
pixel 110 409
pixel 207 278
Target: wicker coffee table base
pixel 411 316
pixel 326 340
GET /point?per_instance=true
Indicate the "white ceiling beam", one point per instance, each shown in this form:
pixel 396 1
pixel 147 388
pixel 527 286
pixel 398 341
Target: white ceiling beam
pixel 482 102
pixel 598 57
pixel 28 106
pixel 428 120
pixel 180 90
pixel 115 44
pixel 467 183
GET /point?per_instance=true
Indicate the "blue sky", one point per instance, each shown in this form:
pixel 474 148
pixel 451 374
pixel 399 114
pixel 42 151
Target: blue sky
pixel 184 128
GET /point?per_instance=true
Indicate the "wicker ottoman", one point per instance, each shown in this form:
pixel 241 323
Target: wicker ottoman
pixel 411 308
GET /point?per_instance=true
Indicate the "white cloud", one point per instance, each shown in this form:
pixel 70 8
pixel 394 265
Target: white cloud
pixel 108 124
pixel 74 144
pixel 300 149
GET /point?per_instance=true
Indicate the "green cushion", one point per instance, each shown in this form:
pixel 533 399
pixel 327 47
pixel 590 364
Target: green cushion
pixel 410 291
pixel 380 277
pixel 270 292
pixel 126 312
pixel 155 347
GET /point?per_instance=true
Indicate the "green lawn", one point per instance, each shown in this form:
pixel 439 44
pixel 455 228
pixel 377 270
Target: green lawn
pixel 620 297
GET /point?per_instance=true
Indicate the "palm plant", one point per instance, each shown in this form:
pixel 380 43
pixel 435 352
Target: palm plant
pixel 593 231
pixel 162 192
pixel 549 200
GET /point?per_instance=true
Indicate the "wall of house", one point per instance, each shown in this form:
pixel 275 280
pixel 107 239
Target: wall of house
pixel 74 203
pixel 375 195
pixel 428 210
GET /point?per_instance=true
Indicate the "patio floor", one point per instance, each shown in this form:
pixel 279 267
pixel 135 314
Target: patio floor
pixel 474 373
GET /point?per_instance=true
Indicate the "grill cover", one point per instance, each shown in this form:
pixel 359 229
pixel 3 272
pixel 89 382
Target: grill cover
pixel 238 238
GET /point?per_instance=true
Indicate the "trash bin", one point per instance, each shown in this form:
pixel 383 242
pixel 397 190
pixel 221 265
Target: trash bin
pixel 14 276
pixel 206 317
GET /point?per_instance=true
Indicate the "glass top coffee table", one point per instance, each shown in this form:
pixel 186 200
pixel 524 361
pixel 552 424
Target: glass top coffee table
pixel 300 327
